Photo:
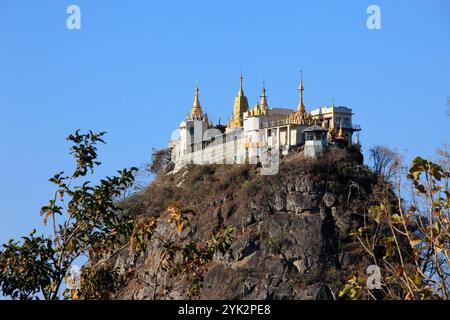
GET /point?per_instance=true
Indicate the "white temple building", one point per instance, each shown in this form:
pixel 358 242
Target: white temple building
pixel 254 133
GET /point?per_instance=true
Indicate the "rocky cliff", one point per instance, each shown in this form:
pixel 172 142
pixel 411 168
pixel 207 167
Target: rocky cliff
pixel 290 230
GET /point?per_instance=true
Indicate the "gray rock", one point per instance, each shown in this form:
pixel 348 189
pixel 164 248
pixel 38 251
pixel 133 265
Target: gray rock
pixel 245 246
pixel 315 291
pixel 298 202
pixel 279 203
pixel 304 184
pixel 285 231
pixel 221 282
pixel 329 199
pixel 283 292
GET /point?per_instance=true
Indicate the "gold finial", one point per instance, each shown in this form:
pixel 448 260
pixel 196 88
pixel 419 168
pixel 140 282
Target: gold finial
pixel 301 107
pixel 196 101
pixel 196 107
pixel 264 104
pixel 301 81
pixel 241 87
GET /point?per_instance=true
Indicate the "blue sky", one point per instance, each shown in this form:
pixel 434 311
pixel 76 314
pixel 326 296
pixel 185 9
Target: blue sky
pixel 132 67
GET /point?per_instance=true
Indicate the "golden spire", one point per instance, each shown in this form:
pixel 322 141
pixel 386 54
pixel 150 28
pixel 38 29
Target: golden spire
pixel 300 116
pixel 196 100
pixel 196 111
pixel 240 106
pixel 301 106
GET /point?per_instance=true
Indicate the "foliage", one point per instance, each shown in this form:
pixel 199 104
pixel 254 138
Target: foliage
pixel 194 258
pixel 275 243
pixel 26 267
pixel 178 216
pixel 411 246
pixel 99 283
pixel 311 277
pixel 84 219
pixel 142 232
pixel 185 261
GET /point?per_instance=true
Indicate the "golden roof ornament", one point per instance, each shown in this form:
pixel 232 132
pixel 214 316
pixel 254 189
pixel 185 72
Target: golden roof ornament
pixel 255 111
pixel 300 116
pixel 264 105
pixel 196 111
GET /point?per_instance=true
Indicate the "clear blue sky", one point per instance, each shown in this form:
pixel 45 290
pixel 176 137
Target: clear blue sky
pixel 131 71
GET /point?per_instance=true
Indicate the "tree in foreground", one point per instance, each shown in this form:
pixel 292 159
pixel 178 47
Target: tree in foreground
pixel 86 220
pixel 410 244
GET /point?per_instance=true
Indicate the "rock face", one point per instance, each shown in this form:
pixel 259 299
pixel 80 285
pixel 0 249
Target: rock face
pixel 274 260
pixel 290 239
